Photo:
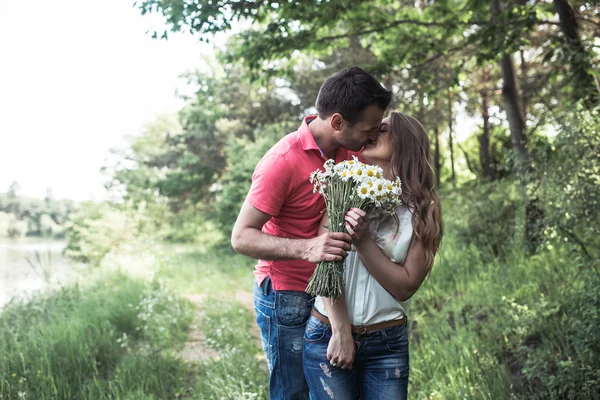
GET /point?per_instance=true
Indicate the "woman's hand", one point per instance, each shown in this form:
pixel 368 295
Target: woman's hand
pixel 340 351
pixel 357 225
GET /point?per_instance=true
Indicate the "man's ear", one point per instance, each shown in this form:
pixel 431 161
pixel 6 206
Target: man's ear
pixel 337 122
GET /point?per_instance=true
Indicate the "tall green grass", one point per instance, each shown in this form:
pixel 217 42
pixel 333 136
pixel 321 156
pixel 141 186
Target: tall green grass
pixel 110 340
pixel 238 373
pixel 482 327
pixel 211 272
pixel 506 329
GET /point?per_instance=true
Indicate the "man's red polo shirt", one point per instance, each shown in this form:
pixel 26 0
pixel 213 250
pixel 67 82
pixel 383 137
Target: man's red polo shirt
pixel 281 188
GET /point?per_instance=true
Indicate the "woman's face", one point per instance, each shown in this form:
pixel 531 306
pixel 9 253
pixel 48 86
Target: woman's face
pixel 380 151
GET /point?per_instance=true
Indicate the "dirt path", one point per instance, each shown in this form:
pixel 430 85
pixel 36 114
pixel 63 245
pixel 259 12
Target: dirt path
pixel 195 349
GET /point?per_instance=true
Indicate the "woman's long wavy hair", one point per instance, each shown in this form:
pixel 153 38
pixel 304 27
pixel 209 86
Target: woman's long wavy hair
pixel 412 164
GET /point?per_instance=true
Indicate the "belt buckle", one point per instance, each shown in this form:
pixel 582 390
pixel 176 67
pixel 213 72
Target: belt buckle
pixel 364 329
pixel 359 334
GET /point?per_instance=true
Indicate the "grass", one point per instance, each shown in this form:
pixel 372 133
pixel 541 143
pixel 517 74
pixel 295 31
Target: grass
pixel 481 328
pixel 238 373
pixel 95 342
pixel 190 270
pixel 117 337
pixel 504 329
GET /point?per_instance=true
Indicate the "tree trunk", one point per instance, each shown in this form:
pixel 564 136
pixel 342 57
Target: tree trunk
pixel 485 142
pixel 587 85
pixel 534 212
pixel 421 111
pixel 512 105
pixel 524 94
pixel 436 133
pixel 467 160
pixel 510 98
pixel 450 136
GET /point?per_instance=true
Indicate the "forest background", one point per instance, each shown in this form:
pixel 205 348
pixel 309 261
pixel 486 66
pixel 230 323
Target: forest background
pixel 509 92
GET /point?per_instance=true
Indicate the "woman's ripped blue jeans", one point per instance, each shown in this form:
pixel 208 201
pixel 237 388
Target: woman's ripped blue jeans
pixel 380 369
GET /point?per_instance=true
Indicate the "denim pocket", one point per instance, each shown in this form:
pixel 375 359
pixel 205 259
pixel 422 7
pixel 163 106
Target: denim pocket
pixel 293 308
pixel 397 339
pixel 315 330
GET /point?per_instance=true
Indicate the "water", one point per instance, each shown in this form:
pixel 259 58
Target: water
pixel 19 279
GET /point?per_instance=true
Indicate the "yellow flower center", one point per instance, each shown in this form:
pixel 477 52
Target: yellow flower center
pixel 363 191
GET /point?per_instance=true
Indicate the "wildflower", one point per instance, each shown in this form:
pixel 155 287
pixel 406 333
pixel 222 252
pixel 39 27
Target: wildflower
pixel 348 184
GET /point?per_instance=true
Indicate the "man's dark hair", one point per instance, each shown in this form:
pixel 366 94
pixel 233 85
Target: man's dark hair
pixel 349 92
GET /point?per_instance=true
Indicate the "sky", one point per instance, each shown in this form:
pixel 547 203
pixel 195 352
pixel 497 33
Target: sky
pixel 76 77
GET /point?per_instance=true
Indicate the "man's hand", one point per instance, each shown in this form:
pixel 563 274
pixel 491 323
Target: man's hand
pixel 341 348
pixel 330 246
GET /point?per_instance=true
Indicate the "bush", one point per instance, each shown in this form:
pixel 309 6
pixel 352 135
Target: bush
pixel 98 229
pixel 571 183
pixel 484 215
pixel 242 157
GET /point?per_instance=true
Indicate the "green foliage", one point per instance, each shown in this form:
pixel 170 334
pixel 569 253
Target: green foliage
pixel 191 165
pixel 11 226
pixel 571 182
pixel 562 351
pixel 490 323
pixel 102 341
pixel 99 228
pixel 522 328
pixel 501 153
pixel 237 177
pixel 191 225
pixel 485 216
pixel 25 216
pixel 134 174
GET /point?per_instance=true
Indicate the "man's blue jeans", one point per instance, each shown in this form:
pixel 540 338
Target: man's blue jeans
pixel 281 316
pixel 380 369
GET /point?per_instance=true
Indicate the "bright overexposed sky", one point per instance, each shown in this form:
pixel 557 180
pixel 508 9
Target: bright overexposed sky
pixel 76 76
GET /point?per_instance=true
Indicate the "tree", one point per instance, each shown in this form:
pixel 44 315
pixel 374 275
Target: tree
pixel 586 84
pixel 451 136
pixel 485 145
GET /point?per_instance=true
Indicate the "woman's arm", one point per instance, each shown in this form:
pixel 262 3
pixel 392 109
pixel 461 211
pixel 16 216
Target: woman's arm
pixel 401 280
pixel 340 351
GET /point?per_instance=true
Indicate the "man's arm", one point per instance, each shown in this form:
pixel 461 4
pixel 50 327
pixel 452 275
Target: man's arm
pixel 248 239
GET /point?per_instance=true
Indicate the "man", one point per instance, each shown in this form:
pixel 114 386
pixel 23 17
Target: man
pixel 279 220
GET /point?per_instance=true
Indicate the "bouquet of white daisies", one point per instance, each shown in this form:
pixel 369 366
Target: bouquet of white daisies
pixel 348 184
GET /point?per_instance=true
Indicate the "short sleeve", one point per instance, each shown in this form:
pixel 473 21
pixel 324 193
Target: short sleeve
pixel 271 184
pixel 394 236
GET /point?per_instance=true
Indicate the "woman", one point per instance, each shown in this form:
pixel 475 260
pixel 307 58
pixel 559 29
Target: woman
pixel 357 347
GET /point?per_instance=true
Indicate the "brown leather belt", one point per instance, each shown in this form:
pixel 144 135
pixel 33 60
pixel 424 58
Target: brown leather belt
pixel 362 329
